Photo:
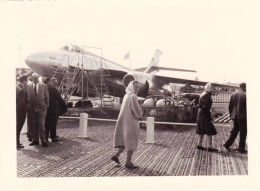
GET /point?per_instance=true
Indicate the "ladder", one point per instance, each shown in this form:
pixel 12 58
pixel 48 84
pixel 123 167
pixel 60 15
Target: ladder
pixel 97 78
pixel 98 81
pixel 58 73
pixel 70 82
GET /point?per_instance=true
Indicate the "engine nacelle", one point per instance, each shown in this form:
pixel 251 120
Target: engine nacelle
pixel 138 76
pixel 142 78
pixel 127 79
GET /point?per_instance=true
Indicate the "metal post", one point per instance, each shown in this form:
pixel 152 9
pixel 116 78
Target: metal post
pixel 82 77
pixel 101 79
pixel 100 65
pixel 20 50
pixel 87 86
pixel 150 130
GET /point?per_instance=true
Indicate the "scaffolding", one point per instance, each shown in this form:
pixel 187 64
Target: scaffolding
pixel 73 78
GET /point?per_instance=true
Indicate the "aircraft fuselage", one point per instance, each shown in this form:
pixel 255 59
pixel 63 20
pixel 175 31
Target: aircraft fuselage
pixel 47 63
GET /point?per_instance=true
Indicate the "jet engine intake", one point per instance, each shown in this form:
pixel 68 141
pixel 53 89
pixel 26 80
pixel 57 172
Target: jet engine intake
pixel 127 79
pixel 142 79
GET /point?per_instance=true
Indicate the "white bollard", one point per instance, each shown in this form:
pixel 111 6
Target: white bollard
pixel 83 125
pixel 150 130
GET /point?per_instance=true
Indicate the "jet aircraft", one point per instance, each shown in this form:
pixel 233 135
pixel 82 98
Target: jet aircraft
pixel 114 77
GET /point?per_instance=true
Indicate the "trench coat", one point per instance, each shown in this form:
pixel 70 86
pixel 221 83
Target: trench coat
pixel 127 126
pixel 237 105
pixel 204 123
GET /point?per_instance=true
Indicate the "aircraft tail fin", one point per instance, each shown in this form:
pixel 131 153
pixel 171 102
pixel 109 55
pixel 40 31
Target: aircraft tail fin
pixel 153 67
pixel 154 62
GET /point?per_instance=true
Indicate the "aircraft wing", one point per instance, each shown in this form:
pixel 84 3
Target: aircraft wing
pixel 113 73
pixel 116 73
pixel 166 80
pixel 157 68
pixel 140 69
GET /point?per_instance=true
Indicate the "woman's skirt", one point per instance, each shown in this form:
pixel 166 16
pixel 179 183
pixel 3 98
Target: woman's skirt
pixel 205 127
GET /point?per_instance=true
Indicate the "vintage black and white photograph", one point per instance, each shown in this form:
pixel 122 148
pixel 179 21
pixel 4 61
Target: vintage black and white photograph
pixel 129 91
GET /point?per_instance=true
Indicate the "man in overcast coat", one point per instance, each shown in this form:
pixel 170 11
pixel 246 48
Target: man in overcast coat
pixel 237 110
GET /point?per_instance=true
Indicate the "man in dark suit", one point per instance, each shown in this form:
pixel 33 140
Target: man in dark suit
pixel 20 108
pixel 38 102
pixel 237 110
pixel 52 115
pixel 29 128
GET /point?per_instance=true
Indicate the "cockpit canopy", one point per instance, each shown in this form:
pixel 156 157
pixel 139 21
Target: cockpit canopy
pixel 77 49
pixel 74 48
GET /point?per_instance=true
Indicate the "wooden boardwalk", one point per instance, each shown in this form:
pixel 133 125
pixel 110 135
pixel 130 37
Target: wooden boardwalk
pixel 173 154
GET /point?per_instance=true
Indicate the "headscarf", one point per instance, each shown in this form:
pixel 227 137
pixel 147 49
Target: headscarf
pixel 130 88
pixel 208 88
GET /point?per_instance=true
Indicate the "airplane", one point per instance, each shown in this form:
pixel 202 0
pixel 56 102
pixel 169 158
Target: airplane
pixel 115 77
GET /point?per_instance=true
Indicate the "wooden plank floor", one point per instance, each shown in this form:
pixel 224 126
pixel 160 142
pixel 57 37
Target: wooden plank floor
pixel 173 154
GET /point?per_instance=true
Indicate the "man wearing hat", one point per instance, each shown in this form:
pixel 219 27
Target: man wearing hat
pixel 38 102
pixel 20 107
pixel 237 110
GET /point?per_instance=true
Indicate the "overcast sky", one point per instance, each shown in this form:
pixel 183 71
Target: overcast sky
pixel 211 37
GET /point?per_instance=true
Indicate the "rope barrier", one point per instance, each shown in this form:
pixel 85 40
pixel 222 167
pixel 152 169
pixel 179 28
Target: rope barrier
pixel 155 122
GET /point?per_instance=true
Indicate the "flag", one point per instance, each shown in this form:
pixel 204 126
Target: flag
pixel 127 55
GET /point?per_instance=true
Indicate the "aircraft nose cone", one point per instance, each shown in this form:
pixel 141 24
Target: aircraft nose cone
pixel 37 63
pixel 33 61
pixel 29 62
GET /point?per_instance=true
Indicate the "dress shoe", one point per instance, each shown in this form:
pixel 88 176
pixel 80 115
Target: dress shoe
pixel 20 146
pixel 242 151
pixel 55 140
pixel 115 159
pixel 30 139
pixel 212 149
pixel 130 166
pixel 227 147
pixel 44 144
pixel 201 148
pixel 34 143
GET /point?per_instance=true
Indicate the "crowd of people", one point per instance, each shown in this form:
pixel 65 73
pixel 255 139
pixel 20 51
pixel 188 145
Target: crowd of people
pixel 127 126
pixel 40 102
pixel 237 111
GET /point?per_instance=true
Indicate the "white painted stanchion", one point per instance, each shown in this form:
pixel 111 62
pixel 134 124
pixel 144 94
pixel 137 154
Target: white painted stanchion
pixel 83 125
pixel 150 130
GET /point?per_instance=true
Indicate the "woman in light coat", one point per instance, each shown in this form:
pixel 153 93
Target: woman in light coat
pixel 127 126
pixel 204 120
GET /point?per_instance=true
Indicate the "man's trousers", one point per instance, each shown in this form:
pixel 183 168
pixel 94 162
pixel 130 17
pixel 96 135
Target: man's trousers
pixel 239 125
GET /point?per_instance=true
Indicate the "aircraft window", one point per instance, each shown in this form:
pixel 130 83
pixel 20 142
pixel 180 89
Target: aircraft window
pixel 70 47
pixel 53 57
